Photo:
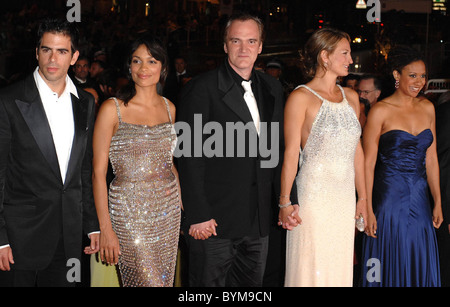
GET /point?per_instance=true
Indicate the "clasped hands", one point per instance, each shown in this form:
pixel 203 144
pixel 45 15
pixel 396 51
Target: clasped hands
pixel 288 217
pixel 203 231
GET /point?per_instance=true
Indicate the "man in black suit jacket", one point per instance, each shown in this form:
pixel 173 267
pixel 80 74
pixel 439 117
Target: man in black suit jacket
pixel 227 198
pixel 46 196
pixel 443 151
pixel 176 80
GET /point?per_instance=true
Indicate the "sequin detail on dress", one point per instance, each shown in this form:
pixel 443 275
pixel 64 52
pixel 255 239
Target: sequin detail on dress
pixel 144 202
pixel 320 250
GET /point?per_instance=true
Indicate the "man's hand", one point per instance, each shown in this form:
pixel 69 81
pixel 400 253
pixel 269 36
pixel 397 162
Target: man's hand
pixel 203 231
pixel 6 258
pixel 95 244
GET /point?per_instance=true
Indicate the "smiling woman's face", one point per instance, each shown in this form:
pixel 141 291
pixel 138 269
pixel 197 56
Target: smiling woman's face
pixel 412 78
pixel 145 69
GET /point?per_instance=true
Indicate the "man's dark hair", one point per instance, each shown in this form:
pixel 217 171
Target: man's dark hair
pixel 376 80
pixel 58 26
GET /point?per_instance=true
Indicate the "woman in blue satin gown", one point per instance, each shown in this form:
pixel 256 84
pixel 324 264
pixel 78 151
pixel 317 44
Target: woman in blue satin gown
pixel 401 167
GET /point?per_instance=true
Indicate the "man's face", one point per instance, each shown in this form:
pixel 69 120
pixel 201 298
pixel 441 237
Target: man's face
pixel 81 69
pixel 367 90
pixel 353 84
pixel 95 70
pixel 243 45
pixel 180 65
pixel 274 72
pixel 54 57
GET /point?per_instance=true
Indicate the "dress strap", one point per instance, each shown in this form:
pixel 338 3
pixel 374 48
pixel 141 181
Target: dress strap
pixel 344 98
pixel 343 92
pixel 118 109
pixel 312 91
pixel 168 109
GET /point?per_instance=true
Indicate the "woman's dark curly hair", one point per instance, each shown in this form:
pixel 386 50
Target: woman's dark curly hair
pixel 401 56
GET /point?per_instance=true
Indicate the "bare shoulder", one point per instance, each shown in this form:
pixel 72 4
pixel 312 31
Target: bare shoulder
pixel 428 108
pixel 301 95
pixel 110 105
pixel 108 109
pixel 426 103
pixel 380 111
pixel 352 96
pixel 172 107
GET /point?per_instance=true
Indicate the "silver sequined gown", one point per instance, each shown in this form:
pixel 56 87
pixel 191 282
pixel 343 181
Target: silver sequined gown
pixel 320 250
pixel 144 202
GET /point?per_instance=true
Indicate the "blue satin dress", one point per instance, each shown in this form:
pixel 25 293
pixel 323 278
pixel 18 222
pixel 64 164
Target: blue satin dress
pixel 405 253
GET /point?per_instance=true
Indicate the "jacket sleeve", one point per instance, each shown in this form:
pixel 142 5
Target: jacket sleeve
pixel 443 151
pixel 194 104
pixel 90 220
pixel 5 145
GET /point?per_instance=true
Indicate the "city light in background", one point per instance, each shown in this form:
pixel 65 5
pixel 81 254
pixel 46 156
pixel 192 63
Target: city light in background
pixel 193 27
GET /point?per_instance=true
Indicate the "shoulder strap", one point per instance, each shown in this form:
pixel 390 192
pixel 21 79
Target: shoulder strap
pixel 312 91
pixel 118 109
pixel 168 109
pixel 342 91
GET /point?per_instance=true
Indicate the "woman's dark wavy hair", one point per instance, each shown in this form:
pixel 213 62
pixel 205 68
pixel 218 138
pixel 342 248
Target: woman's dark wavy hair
pixel 401 56
pixel 157 50
pixel 324 39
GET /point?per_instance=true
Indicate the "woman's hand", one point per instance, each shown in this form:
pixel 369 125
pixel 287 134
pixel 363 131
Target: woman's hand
pixel 361 209
pixel 371 225
pixel 109 246
pixel 288 217
pixel 438 217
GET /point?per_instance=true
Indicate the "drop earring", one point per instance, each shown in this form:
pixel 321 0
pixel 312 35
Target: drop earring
pixel 397 84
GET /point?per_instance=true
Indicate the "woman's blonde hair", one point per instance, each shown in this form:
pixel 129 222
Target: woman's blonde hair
pixel 324 39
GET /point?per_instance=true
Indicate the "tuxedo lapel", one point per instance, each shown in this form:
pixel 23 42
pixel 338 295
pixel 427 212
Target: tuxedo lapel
pixel 33 113
pixel 81 125
pixel 232 95
pixel 266 101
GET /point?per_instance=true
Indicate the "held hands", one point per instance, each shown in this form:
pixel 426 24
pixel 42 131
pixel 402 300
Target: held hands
pixel 203 231
pixel 95 244
pixel 288 217
pixel 109 247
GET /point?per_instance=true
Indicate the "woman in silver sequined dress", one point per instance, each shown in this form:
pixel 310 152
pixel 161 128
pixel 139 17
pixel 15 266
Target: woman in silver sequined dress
pixel 322 127
pixel 140 227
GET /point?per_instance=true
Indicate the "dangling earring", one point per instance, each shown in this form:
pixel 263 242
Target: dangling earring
pixel 397 84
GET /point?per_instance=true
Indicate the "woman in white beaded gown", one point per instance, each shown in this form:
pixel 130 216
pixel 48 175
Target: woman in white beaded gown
pixel 322 135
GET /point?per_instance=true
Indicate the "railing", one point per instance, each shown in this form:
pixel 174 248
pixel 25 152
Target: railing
pixel 438 86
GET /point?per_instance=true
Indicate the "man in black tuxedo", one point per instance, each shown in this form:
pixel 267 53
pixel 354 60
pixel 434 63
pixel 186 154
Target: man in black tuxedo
pixel 443 151
pixel 46 196
pixel 227 198
pixel 176 80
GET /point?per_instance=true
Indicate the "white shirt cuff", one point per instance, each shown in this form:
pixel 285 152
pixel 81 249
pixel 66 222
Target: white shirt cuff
pixel 89 234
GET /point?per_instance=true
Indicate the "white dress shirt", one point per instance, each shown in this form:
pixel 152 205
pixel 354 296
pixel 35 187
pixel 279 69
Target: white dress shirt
pixel 60 118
